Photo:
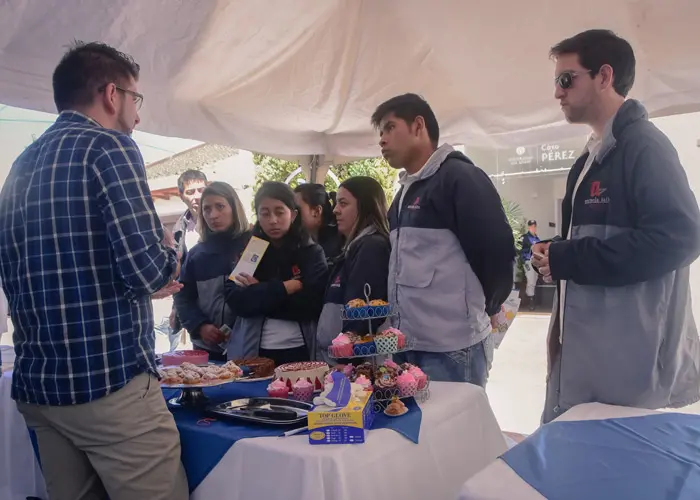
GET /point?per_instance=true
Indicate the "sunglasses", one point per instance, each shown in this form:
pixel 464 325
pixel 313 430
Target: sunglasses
pixel 565 80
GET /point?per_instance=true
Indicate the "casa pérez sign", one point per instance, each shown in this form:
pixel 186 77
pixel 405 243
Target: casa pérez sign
pixel 544 156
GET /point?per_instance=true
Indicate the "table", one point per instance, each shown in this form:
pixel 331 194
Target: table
pixel 459 437
pixel 500 482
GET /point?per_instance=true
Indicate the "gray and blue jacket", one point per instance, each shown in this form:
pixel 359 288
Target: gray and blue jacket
pixel 452 253
pixel 204 273
pixel 629 337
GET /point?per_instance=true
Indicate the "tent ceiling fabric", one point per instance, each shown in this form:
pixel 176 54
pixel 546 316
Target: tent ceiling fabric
pixel 303 77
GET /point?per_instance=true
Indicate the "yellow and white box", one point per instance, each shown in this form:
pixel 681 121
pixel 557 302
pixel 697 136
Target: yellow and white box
pixel 342 426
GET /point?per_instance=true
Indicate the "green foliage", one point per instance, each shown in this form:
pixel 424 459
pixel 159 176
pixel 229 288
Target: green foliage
pixel 274 169
pixel 518 225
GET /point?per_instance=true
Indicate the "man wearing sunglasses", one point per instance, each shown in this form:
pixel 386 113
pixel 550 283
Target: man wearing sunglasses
pixel 622 330
pixel 82 251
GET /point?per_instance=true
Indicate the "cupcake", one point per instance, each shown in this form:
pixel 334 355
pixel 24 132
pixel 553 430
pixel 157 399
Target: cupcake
pixel 278 389
pixel 385 384
pixel 364 347
pixel 420 376
pixel 407 384
pixel 400 337
pixel 303 390
pixel 365 369
pixel 386 342
pixel 390 364
pixel 364 382
pixel 355 303
pixel 378 303
pixel 341 346
pixel 349 371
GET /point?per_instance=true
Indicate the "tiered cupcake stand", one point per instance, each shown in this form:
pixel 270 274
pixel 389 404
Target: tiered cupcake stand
pixel 377 353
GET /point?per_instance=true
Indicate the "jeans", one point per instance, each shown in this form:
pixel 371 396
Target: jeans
pixel 471 364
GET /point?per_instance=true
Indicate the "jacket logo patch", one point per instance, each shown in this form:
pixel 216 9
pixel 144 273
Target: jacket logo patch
pixel 597 197
pixel 415 205
pixel 296 272
pixel 336 282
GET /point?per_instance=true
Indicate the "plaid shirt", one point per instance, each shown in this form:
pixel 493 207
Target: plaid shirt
pixel 80 255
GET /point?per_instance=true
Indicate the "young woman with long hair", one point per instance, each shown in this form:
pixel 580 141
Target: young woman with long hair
pixel 278 307
pixel 200 305
pixel 316 209
pixel 361 214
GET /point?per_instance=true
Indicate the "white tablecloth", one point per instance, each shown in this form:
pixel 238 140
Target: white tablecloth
pixel 459 437
pixel 500 482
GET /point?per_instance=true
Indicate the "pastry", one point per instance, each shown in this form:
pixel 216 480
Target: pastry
pixel 390 364
pixel 420 376
pixel 231 367
pixel 364 382
pixel 303 390
pixel 385 384
pixel 378 303
pixel 278 389
pixel 355 303
pixel 259 367
pixel 177 358
pixel 396 408
pixel 191 378
pixel 315 371
pixel 341 346
pixel 408 386
pixel 386 342
pixel 365 369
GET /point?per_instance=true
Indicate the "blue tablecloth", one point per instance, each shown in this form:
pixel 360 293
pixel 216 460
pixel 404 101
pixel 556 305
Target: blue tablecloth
pixel 205 441
pixel 652 457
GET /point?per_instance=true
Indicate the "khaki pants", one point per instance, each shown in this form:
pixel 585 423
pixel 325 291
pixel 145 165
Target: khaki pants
pixel 124 446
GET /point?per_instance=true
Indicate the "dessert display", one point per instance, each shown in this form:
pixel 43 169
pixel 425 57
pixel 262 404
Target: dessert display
pixel 312 371
pixel 387 380
pixel 361 309
pixel 303 390
pixel 278 389
pixel 191 374
pixel 349 344
pixel 176 358
pixel 396 408
pixel 259 367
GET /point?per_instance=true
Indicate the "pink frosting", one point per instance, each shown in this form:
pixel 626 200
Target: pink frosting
pixel 390 364
pixel 277 385
pixel 348 369
pixel 394 331
pixel 406 378
pixel 416 372
pixel 302 383
pixel 363 381
pixel 341 339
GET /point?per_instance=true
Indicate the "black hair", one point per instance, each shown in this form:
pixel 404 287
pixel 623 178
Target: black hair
pixel 595 48
pixel 371 205
pixel 297 235
pixel 408 107
pixel 240 221
pixel 86 69
pixel 315 195
pixel 189 176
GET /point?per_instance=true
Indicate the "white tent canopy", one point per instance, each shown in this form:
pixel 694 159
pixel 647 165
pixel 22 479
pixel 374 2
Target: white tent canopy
pixel 303 77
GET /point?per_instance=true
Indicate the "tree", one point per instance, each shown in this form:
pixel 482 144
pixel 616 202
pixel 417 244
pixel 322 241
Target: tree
pixel 274 169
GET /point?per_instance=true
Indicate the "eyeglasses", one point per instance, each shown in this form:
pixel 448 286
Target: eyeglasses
pixel 565 80
pixel 138 98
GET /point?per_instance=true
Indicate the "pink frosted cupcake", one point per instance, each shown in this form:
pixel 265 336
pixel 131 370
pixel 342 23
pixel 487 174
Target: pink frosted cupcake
pixel 364 382
pixel 341 346
pixel 408 385
pixel 420 376
pixel 349 371
pixel 400 337
pixel 278 389
pixel 390 364
pixel 303 390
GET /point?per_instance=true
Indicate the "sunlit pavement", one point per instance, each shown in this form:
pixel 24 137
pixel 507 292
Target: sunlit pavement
pixel 517 381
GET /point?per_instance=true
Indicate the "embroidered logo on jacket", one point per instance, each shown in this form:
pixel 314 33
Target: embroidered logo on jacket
pixel 597 197
pixel 415 205
pixel 296 272
pixel 336 282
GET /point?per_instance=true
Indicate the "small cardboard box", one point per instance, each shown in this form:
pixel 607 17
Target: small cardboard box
pixel 342 426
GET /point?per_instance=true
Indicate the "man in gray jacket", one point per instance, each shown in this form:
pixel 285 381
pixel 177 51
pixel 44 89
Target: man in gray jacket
pixel 622 331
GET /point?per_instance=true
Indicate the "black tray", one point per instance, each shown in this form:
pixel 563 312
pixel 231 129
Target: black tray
pixel 269 411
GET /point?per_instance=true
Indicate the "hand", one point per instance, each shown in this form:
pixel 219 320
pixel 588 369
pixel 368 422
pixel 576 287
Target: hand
pixel 540 248
pixel 168 238
pixel 541 261
pixel 170 289
pixel 246 280
pixel 173 319
pixel 211 334
pixel 293 286
pixel 494 319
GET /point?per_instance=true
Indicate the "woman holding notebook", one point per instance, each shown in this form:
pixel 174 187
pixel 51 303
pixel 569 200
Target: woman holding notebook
pixel 200 304
pixel 277 307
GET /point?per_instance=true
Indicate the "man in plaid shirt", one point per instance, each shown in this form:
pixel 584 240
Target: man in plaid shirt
pixel 81 253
